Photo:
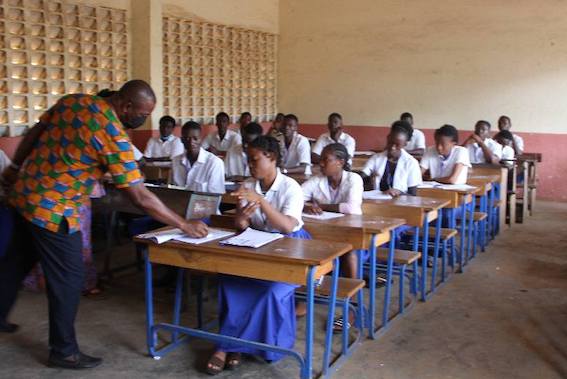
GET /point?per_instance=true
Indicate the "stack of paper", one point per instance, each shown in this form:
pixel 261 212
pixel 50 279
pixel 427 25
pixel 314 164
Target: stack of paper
pixel 252 238
pixel 375 195
pixel 163 236
pixel 178 235
pixel 323 216
pixel 456 187
pixel 430 185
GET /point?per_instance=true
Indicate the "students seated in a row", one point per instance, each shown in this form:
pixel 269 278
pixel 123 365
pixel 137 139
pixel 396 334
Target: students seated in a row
pixel 236 160
pixel 416 143
pixel 506 139
pixel 223 139
pixel 258 310
pixel 165 147
pixel 504 123
pixel 482 148
pixel 394 171
pixel 446 162
pixel 334 135
pixel 197 169
pixel 296 155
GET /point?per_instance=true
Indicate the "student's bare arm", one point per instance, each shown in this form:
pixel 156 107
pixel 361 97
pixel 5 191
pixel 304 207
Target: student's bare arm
pixel 418 152
pixel 488 155
pixel 297 170
pixel 315 158
pixel 281 222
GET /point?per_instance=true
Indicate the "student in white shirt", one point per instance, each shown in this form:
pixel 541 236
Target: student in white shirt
pixel 223 139
pixel 506 139
pixel 395 172
pixel 245 119
pixel 296 155
pixel 236 161
pixel 482 148
pixel 197 169
pixel 276 124
pixel 259 310
pixel 416 143
pixel 334 135
pixel 504 123
pixel 446 162
pixel 166 146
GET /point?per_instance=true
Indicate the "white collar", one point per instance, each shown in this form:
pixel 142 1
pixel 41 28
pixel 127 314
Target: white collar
pixel 169 138
pixel 275 187
pixel 202 158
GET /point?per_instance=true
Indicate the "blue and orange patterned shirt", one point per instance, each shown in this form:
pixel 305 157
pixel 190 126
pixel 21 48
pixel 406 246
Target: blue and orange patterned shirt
pixel 83 139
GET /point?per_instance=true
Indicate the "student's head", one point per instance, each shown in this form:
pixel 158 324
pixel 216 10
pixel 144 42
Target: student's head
pixel 446 137
pixel 166 126
pixel 504 138
pixel 245 119
pixel 250 133
pixel 335 124
pixel 334 159
pixel 504 123
pixel 397 139
pixel 278 120
pixel 263 156
pixel 407 117
pixel 482 129
pixel 289 125
pixel 191 137
pixel 222 121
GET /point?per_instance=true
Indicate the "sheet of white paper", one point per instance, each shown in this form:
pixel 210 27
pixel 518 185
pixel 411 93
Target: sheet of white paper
pixel 429 185
pixel 375 195
pixel 456 187
pixel 252 238
pixel 163 236
pixel 324 215
pixel 214 234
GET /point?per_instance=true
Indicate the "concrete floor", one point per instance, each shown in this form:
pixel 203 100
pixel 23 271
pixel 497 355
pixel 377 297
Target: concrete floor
pixel 506 317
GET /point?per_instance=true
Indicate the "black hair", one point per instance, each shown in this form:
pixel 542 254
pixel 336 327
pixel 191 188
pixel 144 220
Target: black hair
pixel 167 119
pixel 107 92
pixel 281 115
pixel 340 152
pixel 191 125
pixel 505 117
pixel 268 145
pixel 245 114
pixel 505 134
pixel 406 115
pixel 291 116
pixel 402 127
pixel 253 128
pixel 448 131
pixel 222 114
pixel 480 122
pixel 335 114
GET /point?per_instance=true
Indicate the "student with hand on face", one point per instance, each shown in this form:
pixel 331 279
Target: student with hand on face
pixel 197 169
pixel 223 139
pixel 416 143
pixel 276 124
pixel 482 148
pixel 236 161
pixel 446 162
pixel 504 123
pixel 166 146
pixel 334 135
pixel 506 139
pixel 260 310
pixel 395 172
pixel 296 149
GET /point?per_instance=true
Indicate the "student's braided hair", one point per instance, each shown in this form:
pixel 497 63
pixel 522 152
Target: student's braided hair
pixel 340 152
pixel 268 145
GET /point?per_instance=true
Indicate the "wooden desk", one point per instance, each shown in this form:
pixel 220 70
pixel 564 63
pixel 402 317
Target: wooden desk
pixel 532 159
pixel 287 260
pixel 500 175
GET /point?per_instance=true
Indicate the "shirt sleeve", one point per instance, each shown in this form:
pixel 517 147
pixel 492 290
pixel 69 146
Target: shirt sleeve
pixel 369 166
pixel 351 146
pixel 353 202
pixel 236 140
pixel 519 141
pixel 496 149
pixel 176 175
pixel 318 147
pixel 148 151
pixel 425 162
pixel 177 148
pixel 414 174
pixel 207 141
pixel 308 188
pixel 419 140
pixel 293 204
pixel 4 161
pixel 216 178
pixel 304 152
pixel 463 157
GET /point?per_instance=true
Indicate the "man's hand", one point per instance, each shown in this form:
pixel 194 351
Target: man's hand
pixel 195 229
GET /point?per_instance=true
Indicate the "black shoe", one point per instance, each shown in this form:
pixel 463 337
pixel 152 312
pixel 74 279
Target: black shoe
pixel 75 361
pixel 6 327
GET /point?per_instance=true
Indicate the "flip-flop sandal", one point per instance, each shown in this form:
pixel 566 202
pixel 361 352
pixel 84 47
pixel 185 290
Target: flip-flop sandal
pixel 215 365
pixel 233 361
pixel 338 325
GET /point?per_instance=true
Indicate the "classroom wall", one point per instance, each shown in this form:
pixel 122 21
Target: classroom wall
pixel 446 62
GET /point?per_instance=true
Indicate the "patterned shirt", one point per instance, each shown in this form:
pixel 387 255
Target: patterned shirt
pixel 83 139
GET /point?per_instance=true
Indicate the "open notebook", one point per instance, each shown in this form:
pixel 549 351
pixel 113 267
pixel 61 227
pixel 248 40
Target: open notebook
pixel 323 216
pixel 252 238
pixel 177 235
pixel 375 195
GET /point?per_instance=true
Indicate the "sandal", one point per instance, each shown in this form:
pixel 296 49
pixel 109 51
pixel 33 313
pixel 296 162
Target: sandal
pixel 215 365
pixel 233 361
pixel 338 325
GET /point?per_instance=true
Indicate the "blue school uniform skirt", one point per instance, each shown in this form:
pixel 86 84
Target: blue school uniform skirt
pixel 258 310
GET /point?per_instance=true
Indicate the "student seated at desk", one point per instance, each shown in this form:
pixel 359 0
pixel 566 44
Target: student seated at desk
pixel 223 139
pixel 506 140
pixel 245 119
pixel 252 309
pixel 482 148
pixel 236 161
pixel 276 124
pixel 416 143
pixel 334 135
pixel 296 149
pixel 165 147
pixel 504 123
pixel 197 169
pixel 395 171
pixel 446 162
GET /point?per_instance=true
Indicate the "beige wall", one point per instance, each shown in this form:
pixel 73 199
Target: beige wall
pixel 445 61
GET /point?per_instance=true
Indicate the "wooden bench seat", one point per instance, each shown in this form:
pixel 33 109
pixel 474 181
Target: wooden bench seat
pixel 346 287
pixel 446 233
pixel 401 257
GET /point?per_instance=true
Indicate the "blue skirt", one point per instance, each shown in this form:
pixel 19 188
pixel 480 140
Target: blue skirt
pixel 258 310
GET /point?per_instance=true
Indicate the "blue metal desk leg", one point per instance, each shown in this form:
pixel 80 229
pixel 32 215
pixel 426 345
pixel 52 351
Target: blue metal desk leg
pixel 425 248
pixel 389 277
pixel 177 303
pixel 330 318
pixel 360 295
pixel 372 288
pixel 308 367
pixel 151 336
pixel 470 227
pixel 438 224
pixel 462 247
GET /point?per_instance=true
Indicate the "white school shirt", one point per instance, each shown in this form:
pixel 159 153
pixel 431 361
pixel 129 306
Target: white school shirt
pixel 519 142
pixel 508 153
pixel 325 140
pixel 137 153
pixel 230 139
pixel 4 163
pixel 171 148
pixel 417 140
pixel 441 167
pixel 285 195
pixel 299 152
pixel 477 155
pixel 407 174
pixel 348 194
pixel 236 162
pixel 206 174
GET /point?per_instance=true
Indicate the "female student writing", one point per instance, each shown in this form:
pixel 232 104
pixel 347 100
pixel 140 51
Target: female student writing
pixel 251 309
pixel 395 171
pixel 446 162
